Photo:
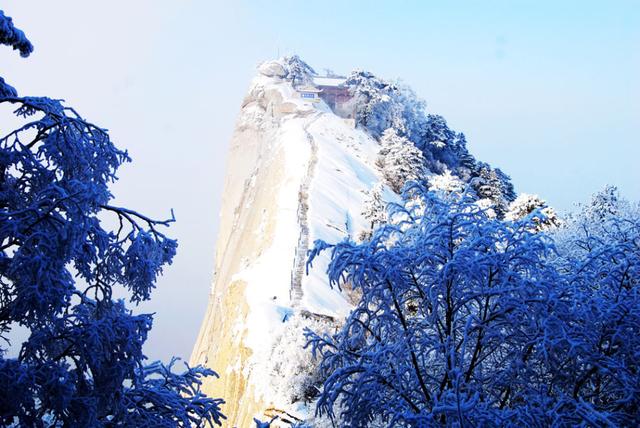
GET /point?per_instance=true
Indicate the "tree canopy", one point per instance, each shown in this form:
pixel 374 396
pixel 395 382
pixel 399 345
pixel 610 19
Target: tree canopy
pixel 469 320
pixel 81 362
pixel 392 113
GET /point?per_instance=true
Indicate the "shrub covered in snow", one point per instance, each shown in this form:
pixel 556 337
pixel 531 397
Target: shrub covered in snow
pixel 293 373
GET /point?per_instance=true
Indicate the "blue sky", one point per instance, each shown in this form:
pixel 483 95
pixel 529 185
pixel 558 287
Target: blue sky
pixel 548 91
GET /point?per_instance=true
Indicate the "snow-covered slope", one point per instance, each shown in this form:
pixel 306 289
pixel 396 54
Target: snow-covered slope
pixel 295 173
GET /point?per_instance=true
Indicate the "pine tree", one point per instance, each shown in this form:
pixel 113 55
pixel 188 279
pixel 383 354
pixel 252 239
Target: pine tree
pixel 381 104
pixel 298 71
pixel 494 185
pixel 374 210
pixel 525 205
pixel 446 182
pixel 399 160
pixel 374 206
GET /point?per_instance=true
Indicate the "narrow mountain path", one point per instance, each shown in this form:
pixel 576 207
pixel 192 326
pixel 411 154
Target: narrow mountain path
pixel 300 258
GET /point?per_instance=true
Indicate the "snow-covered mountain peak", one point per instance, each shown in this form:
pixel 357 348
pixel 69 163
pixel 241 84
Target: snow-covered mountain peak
pixel 312 158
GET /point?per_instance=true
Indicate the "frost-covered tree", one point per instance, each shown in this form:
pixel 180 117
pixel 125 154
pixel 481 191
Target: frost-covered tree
pixel 80 363
pixel 380 105
pixel 487 206
pixel 442 147
pixel 14 37
pixel 597 351
pixel 603 204
pixel 467 320
pixel 426 340
pixel 376 106
pixel 543 217
pixel 298 71
pixel 494 185
pixel 292 373
pixel 399 160
pixel 446 183
pixel 374 208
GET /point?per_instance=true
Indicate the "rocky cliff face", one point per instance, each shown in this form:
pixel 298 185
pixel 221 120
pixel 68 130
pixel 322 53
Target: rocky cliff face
pixel 295 173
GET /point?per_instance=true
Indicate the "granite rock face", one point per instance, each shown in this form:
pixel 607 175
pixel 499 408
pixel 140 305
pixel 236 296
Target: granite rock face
pixel 272 69
pixel 295 173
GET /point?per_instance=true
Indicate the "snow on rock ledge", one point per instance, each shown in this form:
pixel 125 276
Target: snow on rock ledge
pixel 272 69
